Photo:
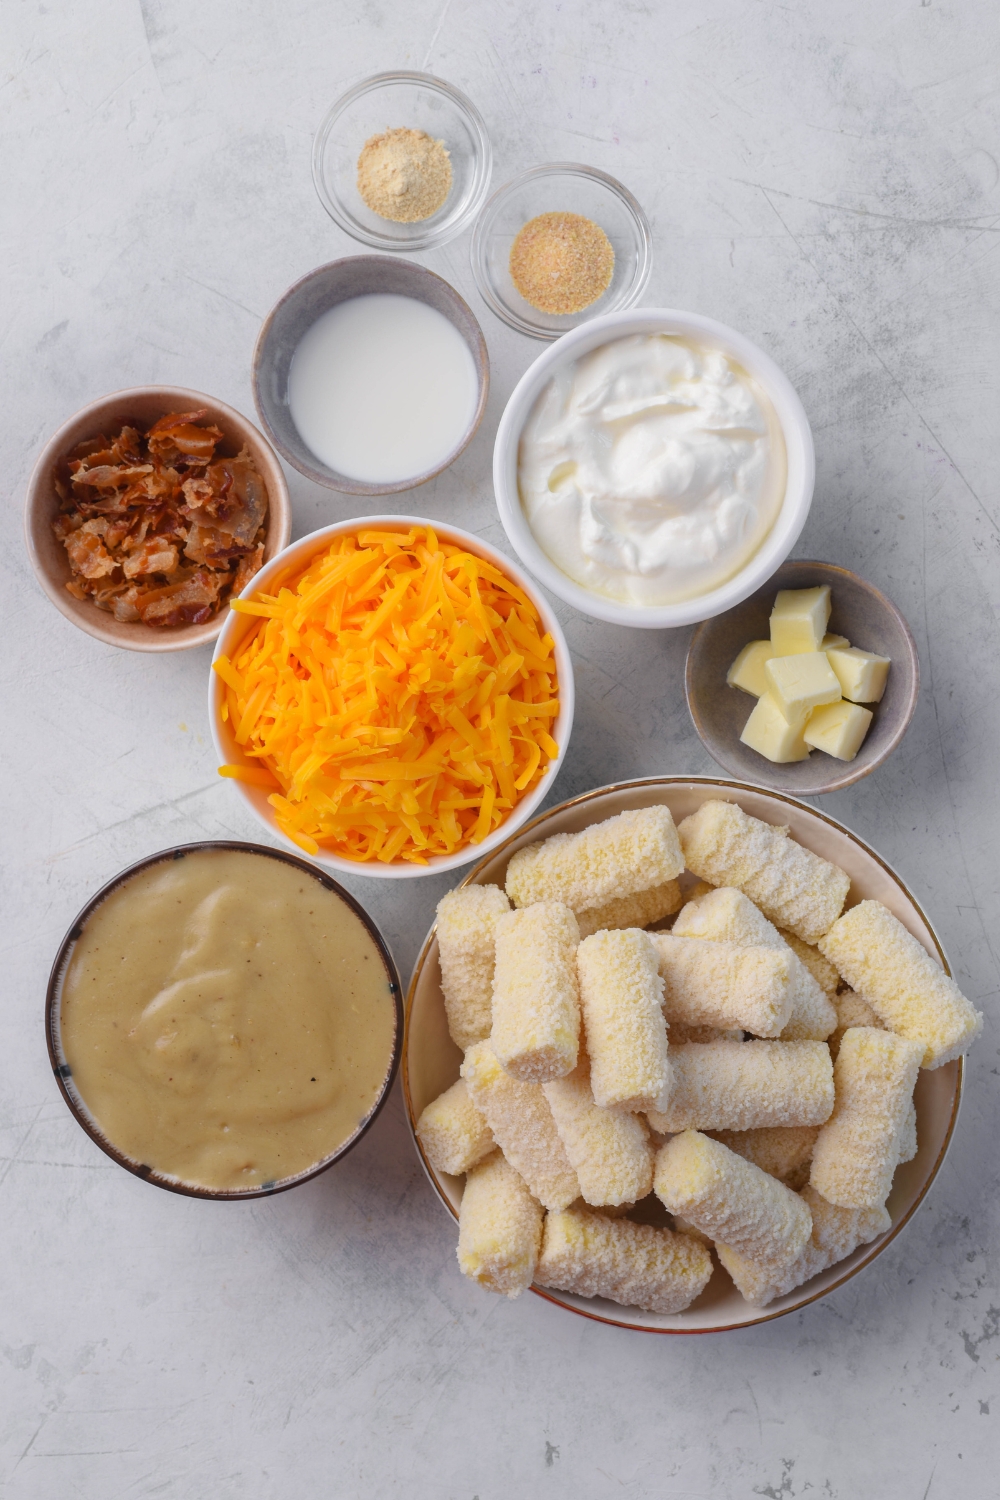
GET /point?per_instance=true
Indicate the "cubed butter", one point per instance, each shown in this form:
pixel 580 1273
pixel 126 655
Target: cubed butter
pixel 862 675
pixel 769 733
pixel 838 728
pixel 799 620
pixel 747 671
pixel 830 641
pixel 800 683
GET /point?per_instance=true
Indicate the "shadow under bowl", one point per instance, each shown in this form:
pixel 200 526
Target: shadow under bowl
pixel 295 313
pixel 141 406
pixel 63 1073
pixel 860 612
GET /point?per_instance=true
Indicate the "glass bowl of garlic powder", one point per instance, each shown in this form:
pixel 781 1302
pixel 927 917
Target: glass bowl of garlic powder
pixel 402 161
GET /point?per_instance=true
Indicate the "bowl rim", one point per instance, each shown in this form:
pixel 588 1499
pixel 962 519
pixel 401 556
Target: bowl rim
pixel 62 1072
pixel 871 1251
pixel 477 254
pixel 294 558
pixel 776 545
pixel 420 239
pixel 851 772
pixel 189 636
pixel 329 478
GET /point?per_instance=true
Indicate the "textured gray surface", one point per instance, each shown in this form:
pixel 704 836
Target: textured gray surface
pixel 823 177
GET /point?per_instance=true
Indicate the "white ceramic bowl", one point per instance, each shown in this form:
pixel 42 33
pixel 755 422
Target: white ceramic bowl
pixel 431 1060
pixel 798 489
pixel 291 562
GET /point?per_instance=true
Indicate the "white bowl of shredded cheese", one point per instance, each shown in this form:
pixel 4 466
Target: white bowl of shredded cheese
pixel 653 468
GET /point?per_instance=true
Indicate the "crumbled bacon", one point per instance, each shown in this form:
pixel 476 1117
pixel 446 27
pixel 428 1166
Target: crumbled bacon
pixel 157 527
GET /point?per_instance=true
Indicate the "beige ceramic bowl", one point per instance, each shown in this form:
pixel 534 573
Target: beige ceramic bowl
pixel 142 405
pixel 431 1059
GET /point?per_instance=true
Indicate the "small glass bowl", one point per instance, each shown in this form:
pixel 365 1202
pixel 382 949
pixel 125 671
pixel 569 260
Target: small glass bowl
pixel 561 187
pixel 390 101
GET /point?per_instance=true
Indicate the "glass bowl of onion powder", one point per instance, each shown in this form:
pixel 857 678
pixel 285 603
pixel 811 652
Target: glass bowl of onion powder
pixel 402 161
pixel 558 245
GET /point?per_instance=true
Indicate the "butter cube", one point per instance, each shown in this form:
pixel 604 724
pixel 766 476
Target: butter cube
pixel 747 671
pixel 838 728
pixel 799 620
pixel 829 641
pixel 769 733
pixel 802 682
pixel 862 675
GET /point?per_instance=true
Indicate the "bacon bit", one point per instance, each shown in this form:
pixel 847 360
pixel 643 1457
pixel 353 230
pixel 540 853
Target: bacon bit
pixel 156 527
pixel 399 692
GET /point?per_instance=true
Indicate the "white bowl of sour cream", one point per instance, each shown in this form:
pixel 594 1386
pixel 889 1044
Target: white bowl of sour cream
pixel 653 468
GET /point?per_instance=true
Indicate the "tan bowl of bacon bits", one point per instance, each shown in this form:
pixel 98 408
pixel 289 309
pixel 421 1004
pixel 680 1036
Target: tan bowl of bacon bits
pixel 148 511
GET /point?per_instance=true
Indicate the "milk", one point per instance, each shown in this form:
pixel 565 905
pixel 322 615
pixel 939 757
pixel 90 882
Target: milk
pixel 382 388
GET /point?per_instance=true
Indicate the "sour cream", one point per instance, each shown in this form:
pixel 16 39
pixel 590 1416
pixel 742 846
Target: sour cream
pixel 652 469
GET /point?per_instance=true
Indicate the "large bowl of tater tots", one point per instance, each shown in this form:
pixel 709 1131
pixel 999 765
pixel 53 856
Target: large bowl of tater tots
pixel 682 1055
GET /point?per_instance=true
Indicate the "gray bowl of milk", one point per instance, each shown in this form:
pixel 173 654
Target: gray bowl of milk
pixel 371 375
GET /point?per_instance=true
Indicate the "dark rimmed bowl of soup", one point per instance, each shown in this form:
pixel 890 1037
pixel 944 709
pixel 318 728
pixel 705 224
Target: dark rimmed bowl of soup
pixel 224 1020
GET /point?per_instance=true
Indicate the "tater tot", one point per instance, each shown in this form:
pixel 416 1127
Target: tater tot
pixel 633 1264
pixel 730 1199
pixel 727 915
pixel 621 995
pixel 454 1135
pixel 782 1151
pixel 857 1151
pixel 499 1228
pixel 836 1233
pixel 793 887
pixel 723 984
pixel 609 1149
pixel 536 996
pixel 466 932
pixel 746 1086
pixel 911 993
pixel 631 852
pixel 519 1116
pixel 637 910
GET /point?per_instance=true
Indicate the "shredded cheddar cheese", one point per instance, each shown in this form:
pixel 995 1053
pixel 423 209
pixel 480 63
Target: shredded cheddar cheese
pixel 397 697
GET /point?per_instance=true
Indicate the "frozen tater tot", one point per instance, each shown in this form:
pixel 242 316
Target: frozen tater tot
pixel 466 932
pixel 852 1010
pixel 820 968
pixel 452 1132
pixel 857 1151
pixel 783 1151
pixel 519 1116
pixel 746 1086
pixel 499 1228
pixel 609 1149
pixel 723 984
pixel 536 996
pixel 727 915
pixel 637 910
pixel 587 1253
pixel 625 854
pixel 911 993
pixel 836 1233
pixel 730 1199
pixel 621 995
pixel 791 885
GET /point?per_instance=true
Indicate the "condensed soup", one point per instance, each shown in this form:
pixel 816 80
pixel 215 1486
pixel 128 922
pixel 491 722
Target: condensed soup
pixel 227 1019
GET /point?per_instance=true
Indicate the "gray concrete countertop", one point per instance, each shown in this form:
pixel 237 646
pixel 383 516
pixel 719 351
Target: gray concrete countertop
pixel 825 178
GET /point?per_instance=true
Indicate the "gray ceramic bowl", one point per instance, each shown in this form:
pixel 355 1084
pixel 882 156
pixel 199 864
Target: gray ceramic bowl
pixel 142 405
pixel 297 311
pixel 864 615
